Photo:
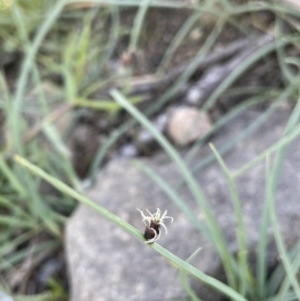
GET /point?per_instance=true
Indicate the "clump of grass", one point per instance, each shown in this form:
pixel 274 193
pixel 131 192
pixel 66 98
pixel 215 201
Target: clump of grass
pixel 242 274
pixel 41 31
pixel 28 216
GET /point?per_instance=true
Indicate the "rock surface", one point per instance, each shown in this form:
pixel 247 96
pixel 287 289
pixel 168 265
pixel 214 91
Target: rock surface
pixel 106 264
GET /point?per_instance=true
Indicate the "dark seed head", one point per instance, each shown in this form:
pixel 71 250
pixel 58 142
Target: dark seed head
pixel 149 233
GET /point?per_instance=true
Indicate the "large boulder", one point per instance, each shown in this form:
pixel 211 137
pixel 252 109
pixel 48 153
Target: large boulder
pixel 105 263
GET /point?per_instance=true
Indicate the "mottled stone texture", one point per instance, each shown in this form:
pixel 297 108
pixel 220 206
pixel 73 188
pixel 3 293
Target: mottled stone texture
pixel 105 263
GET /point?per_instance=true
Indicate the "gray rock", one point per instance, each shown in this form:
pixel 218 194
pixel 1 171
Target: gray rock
pixel 105 263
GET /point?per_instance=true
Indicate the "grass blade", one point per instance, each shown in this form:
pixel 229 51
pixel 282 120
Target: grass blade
pixel 272 183
pixel 240 229
pixel 184 279
pixel 137 25
pixel 261 266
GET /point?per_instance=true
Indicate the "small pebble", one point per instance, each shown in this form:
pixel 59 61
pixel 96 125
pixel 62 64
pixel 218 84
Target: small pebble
pixel 129 150
pixel 187 124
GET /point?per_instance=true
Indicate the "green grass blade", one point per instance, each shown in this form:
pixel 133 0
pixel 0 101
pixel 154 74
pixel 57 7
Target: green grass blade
pixel 137 24
pixel 184 279
pixel 240 228
pixel 272 182
pixel 13 180
pixel 15 222
pixel 261 265
pixel 185 283
pixel 279 240
pixel 55 139
pixel 287 73
pixel 284 288
pixel 63 152
pixel 241 231
pixel 104 105
pixel 281 146
pixel 278 275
